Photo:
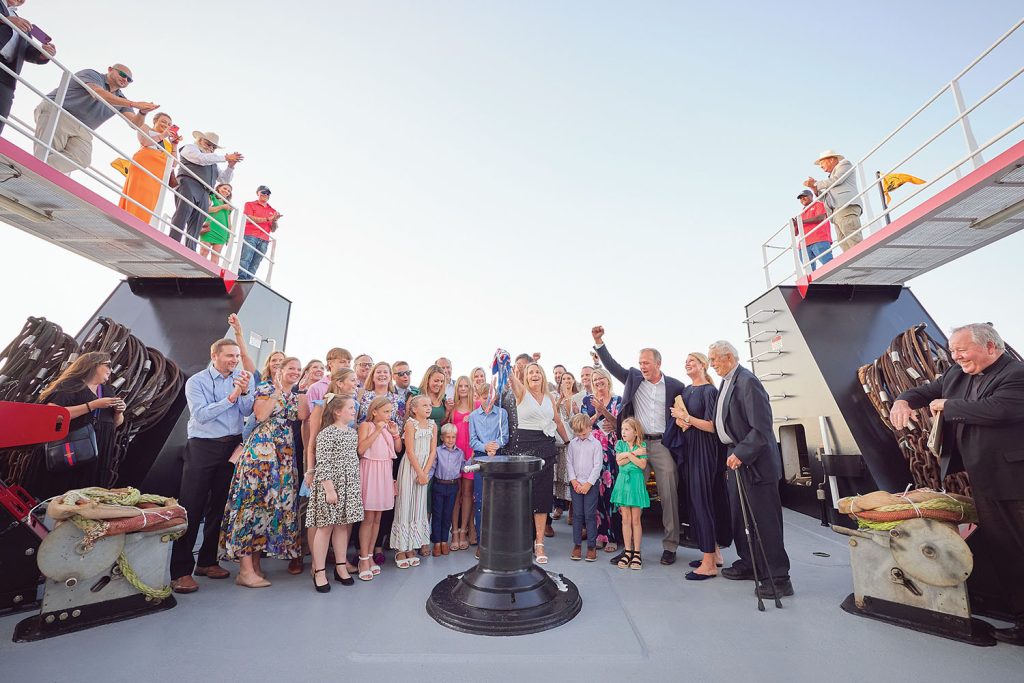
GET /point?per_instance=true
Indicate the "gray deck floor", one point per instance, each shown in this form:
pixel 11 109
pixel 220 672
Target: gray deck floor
pixel 633 625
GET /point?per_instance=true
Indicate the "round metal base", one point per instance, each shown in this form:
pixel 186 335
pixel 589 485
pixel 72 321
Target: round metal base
pixel 450 611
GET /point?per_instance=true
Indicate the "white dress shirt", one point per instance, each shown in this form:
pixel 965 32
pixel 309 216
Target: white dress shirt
pixel 650 406
pixel 193 154
pixel 723 435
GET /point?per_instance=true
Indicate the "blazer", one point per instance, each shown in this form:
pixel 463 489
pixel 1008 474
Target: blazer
pixel 673 436
pixel 984 436
pixel 23 51
pixel 837 192
pixel 747 416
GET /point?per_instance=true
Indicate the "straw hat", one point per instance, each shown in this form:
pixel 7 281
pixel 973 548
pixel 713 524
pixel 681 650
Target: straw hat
pixel 826 154
pixel 210 136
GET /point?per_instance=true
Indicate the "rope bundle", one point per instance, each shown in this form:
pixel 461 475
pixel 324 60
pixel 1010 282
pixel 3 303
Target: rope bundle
pixel 145 378
pixel 883 511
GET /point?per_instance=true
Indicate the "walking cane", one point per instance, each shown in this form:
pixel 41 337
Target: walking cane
pixel 744 501
pixel 750 542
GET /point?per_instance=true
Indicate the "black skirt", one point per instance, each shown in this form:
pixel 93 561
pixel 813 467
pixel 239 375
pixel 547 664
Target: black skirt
pixel 538 444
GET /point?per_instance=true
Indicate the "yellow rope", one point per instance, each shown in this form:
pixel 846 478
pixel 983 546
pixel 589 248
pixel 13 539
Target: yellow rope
pixel 133 578
pixel 966 511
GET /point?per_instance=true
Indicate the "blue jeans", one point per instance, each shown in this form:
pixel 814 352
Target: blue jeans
pixel 253 251
pixel 442 502
pixel 817 249
pixel 584 511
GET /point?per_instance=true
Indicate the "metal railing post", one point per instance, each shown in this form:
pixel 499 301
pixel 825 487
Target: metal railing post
pixel 965 123
pixel 796 242
pixel 154 219
pixel 237 235
pixel 764 260
pixel 58 108
pixel 867 208
pixel 272 243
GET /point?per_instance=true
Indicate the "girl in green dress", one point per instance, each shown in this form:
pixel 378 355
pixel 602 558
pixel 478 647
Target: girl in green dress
pixel 630 493
pixel 217 229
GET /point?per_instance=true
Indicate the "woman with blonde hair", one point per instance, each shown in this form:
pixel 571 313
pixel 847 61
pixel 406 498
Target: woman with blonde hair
pixel 145 172
pixel 433 387
pixel 704 466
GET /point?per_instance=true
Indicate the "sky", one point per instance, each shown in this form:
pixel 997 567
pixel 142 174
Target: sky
pixel 458 176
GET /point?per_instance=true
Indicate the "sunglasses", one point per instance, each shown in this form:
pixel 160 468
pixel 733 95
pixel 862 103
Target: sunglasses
pixel 264 194
pixel 405 373
pixel 125 76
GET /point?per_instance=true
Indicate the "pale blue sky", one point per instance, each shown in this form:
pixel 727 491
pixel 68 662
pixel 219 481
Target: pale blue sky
pixel 462 175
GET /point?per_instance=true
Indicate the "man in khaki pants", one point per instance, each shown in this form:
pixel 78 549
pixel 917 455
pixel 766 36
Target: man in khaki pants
pixel 72 137
pixel 648 396
pixel 840 196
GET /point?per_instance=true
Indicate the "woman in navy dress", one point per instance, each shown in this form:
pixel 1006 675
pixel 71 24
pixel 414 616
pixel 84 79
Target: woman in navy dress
pixel 704 467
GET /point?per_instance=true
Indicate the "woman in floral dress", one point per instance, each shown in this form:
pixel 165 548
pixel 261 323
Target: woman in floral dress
pixel 603 407
pixel 260 517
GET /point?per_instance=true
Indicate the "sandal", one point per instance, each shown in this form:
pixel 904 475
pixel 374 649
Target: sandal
pixel 365 574
pixel 464 543
pixel 402 562
pixel 636 562
pixel 627 556
pixel 414 561
pixel 540 557
pixel 610 547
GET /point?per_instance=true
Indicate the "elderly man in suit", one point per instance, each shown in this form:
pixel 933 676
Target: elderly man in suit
pixel 648 396
pixel 981 401
pixel 837 189
pixel 743 421
pixel 14 52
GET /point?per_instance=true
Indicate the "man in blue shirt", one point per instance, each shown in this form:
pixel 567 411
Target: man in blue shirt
pixel 488 433
pixel 219 398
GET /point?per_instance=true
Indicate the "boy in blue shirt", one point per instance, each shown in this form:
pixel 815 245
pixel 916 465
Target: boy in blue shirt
pixel 488 433
pixel 446 472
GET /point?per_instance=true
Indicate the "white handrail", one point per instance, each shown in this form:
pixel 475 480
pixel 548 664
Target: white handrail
pixel 46 142
pixel 804 265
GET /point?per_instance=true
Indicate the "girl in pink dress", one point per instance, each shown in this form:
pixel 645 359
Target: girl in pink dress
pixel 379 442
pixel 462 515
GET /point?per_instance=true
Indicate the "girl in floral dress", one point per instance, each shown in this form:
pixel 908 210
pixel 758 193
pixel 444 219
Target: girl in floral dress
pixel 260 517
pixel 603 407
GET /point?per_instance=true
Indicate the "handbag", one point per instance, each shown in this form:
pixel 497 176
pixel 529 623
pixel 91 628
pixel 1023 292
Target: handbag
pixel 77 448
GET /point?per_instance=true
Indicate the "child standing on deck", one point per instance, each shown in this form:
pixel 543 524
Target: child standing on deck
pixel 464 498
pixel 488 433
pixel 411 530
pixel 584 458
pixel 445 488
pixel 630 492
pixel 379 442
pixel 335 501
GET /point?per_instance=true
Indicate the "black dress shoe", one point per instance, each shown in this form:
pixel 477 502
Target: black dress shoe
pixel 783 588
pixel 737 574
pixel 668 557
pixel 615 560
pixel 1013 635
pixel 694 576
pixel 343 581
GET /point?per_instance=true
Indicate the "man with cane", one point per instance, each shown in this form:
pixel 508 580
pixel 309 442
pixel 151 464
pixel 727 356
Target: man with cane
pixel 743 421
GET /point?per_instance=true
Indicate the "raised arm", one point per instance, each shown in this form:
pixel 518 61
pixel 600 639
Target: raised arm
pixel 617 371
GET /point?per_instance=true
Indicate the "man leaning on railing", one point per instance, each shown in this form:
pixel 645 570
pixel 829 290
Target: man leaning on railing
pixel 72 137
pixel 260 220
pixel 197 175
pixel 15 51
pixel 837 189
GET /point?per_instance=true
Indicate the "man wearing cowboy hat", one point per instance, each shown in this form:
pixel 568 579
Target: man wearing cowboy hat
pixel 840 195
pixel 197 176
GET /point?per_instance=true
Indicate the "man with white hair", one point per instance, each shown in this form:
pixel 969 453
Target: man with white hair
pixel 648 396
pixel 981 401
pixel 743 422
pixel 837 189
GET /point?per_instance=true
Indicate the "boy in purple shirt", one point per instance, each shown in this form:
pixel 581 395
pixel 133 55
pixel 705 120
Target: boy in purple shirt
pixel 446 472
pixel 584 458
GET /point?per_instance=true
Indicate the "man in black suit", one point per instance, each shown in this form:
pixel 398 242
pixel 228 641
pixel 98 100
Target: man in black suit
pixel 14 52
pixel 648 396
pixel 743 421
pixel 981 401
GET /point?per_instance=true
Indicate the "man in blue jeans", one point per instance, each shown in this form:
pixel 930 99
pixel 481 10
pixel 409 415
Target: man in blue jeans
pixel 817 230
pixel 260 220
pixel 488 432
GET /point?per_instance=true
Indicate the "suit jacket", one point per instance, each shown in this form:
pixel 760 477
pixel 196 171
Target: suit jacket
pixel 837 192
pixel 747 416
pixel 985 436
pixel 23 52
pixel 673 436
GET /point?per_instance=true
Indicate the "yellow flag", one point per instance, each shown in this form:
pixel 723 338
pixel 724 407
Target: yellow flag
pixel 122 165
pixel 893 180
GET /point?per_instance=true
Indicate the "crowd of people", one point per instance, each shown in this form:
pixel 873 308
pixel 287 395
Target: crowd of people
pixel 291 459
pixel 202 189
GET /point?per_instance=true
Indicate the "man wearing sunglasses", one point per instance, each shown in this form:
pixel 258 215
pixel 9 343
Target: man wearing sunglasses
pixel 403 379
pixel 85 109
pixel 260 220
pixel 15 50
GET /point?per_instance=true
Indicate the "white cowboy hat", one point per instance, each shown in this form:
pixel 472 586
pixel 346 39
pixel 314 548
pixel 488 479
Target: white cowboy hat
pixel 826 154
pixel 209 136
